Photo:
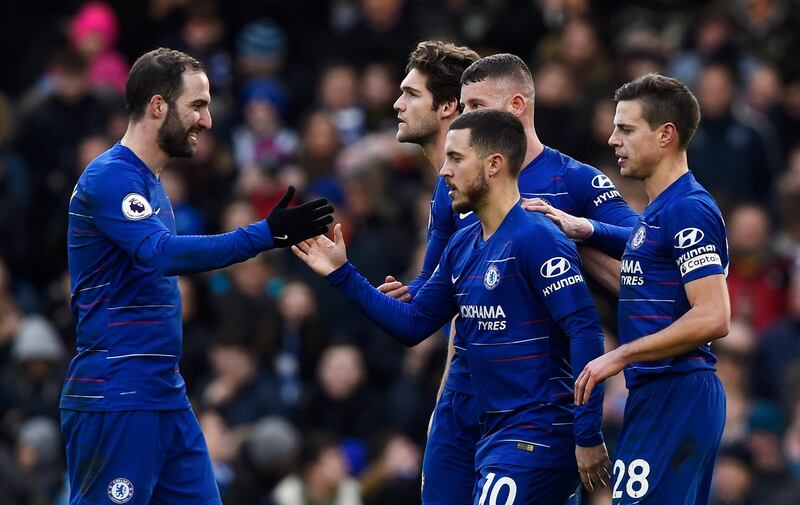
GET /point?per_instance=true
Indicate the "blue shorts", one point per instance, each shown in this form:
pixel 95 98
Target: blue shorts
pixel 448 466
pixel 138 458
pixel 669 441
pixel 503 484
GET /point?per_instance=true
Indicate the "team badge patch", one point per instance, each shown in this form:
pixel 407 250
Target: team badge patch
pixel 136 207
pixel 638 237
pixel 492 277
pixel 120 490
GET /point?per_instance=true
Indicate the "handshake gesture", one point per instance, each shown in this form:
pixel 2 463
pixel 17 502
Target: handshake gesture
pixel 292 225
pixel 322 254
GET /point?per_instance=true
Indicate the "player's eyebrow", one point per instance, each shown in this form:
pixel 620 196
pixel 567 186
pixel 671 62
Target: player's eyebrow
pixel 200 102
pixel 408 88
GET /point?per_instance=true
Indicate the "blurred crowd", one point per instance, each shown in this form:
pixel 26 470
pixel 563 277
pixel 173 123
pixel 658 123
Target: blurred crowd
pixel 302 400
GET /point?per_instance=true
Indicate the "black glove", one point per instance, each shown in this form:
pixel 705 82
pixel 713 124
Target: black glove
pixel 290 226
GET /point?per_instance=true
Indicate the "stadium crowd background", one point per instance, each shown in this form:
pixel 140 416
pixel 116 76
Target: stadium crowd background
pixel 285 378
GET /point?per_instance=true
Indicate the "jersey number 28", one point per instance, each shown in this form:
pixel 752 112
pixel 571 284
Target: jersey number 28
pixel 637 484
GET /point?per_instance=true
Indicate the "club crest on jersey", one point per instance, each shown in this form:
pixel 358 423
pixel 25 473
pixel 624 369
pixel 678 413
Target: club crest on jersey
pixel 602 182
pixel 136 207
pixel 120 490
pixel 688 237
pixel 555 267
pixel 638 237
pixel 492 277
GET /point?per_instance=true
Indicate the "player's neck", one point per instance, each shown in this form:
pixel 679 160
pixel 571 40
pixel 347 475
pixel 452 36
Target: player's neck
pixel 434 147
pixel 141 140
pixel 434 151
pixel 669 170
pixel 499 203
pixel 535 146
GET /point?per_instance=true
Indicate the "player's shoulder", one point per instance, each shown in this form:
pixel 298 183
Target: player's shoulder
pixel 691 198
pixel 536 225
pixel 568 165
pixel 111 168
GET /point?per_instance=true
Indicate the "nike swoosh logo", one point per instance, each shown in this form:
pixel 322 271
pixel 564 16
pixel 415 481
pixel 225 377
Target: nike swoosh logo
pixel 159 210
pixel 282 237
pixel 454 278
pixel 464 216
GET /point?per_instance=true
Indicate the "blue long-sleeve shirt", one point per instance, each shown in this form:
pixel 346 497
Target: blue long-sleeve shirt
pixel 526 323
pixel 564 183
pixel 681 238
pixel 123 257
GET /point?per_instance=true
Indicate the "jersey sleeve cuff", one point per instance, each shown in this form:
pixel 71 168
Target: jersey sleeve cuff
pixel 592 441
pixel 263 238
pixel 338 275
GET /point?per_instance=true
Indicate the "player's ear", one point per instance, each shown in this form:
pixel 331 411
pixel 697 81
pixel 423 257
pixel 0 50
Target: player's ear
pixel 158 106
pixel 668 134
pixel 448 109
pixel 496 162
pixel 518 103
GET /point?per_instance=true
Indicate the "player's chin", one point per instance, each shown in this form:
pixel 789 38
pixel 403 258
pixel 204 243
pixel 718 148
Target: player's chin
pixel 461 206
pixel 403 135
pixel 188 151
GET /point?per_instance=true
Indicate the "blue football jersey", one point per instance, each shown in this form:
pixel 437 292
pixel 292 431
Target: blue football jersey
pixel 680 238
pixel 123 258
pixel 526 321
pixel 561 181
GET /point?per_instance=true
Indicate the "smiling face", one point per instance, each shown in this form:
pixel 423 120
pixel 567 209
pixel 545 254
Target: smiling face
pixel 186 118
pixel 464 172
pixel 635 144
pixel 417 118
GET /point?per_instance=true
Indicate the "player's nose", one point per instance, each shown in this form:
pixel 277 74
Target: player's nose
pixel 399 105
pixel 205 119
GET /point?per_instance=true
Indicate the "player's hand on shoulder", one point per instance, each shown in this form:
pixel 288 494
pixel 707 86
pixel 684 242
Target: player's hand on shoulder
pixel 396 289
pixel 322 254
pixel 576 228
pixel 593 465
pixel 292 225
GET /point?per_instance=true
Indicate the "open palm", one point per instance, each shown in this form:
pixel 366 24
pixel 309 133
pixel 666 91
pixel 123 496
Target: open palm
pixel 322 254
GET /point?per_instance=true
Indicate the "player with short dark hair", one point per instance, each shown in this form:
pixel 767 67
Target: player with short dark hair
pixel 130 433
pixel 525 318
pixel 673 304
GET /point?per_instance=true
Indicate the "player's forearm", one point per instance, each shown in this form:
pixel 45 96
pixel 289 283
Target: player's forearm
pixel 602 267
pixel 586 344
pixel 451 351
pixel 701 324
pixel 433 253
pixel 187 254
pixel 609 238
pixel 405 322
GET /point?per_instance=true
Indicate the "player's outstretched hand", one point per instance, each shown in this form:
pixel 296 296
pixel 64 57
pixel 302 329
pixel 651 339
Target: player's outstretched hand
pixel 593 465
pixel 292 225
pixel 322 254
pixel 595 372
pixel 576 228
pixel 396 289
